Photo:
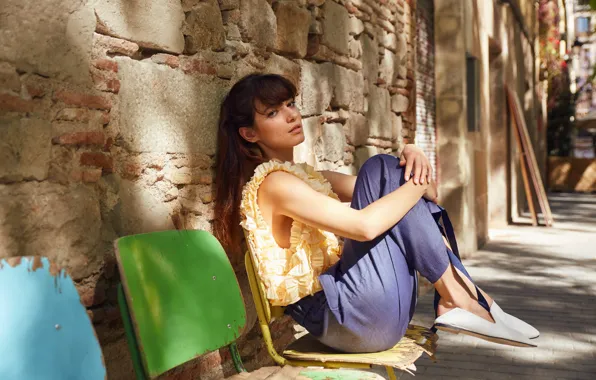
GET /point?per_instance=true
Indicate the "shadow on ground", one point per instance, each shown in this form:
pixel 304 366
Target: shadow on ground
pixel 546 276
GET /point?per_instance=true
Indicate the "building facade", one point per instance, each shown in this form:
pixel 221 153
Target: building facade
pixel 481 49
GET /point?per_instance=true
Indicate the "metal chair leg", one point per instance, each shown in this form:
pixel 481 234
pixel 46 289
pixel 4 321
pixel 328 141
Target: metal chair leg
pixel 390 373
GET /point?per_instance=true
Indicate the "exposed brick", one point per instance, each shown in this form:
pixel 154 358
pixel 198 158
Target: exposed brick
pixel 166 59
pixel 80 138
pixel 99 160
pixel 131 170
pixel 14 103
pixel 114 46
pixel 106 64
pixel 83 100
pixel 35 91
pixel 108 144
pixel 198 66
pixel 106 81
pixel 92 294
pixel 350 7
pixel 76 176
pixel 91 175
pixel 210 361
pixel 205 179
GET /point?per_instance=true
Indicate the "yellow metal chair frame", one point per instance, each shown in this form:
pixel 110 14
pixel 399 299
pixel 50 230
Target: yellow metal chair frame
pixel 266 313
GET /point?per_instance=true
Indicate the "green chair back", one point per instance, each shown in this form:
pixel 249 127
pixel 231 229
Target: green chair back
pixel 181 295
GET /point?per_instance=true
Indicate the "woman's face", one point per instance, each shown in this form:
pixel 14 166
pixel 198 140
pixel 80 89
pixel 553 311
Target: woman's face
pixel 276 128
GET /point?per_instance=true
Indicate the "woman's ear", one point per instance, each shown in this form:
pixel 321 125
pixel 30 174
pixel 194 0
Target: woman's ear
pixel 248 134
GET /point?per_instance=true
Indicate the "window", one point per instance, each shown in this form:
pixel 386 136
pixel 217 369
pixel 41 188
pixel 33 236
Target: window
pixel 583 25
pixel 473 93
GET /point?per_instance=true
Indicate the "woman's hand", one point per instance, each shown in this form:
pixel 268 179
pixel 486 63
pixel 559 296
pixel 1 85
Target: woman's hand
pixel 414 158
pixel 431 192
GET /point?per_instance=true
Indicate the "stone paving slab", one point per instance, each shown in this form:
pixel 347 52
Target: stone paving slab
pixel 546 276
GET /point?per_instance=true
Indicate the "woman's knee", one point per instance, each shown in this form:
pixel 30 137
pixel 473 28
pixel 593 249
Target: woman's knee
pixel 381 165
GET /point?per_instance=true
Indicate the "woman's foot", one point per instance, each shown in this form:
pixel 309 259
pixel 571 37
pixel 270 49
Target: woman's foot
pixel 465 309
pixel 457 291
pixel 460 321
pixel 470 305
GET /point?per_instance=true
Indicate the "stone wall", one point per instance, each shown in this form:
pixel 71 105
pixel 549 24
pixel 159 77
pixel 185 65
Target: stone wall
pixel 108 114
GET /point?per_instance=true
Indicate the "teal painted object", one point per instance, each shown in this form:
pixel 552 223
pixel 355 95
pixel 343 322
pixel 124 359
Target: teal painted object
pixel 45 332
pixel 181 296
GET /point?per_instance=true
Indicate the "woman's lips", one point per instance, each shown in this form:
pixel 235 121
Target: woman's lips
pixel 296 129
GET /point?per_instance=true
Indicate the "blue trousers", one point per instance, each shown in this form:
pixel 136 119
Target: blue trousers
pixel 369 295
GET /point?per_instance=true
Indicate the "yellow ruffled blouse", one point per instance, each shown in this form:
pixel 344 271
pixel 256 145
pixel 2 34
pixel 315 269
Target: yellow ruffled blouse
pixel 288 274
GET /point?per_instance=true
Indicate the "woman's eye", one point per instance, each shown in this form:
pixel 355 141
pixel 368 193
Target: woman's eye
pixel 292 103
pixel 272 113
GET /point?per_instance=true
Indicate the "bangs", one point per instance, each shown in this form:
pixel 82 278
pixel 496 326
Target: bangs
pixel 273 90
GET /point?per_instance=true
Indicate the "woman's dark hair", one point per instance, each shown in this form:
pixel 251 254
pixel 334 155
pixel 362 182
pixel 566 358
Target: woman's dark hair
pixel 236 157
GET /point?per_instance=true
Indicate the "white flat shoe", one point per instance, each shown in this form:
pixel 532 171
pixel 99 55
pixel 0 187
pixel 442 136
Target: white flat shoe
pixel 515 323
pixel 460 321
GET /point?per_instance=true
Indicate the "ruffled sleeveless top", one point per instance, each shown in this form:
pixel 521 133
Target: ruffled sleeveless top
pixel 288 274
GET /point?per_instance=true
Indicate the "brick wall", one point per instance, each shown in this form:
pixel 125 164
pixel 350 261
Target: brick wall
pixel 426 132
pixel 108 114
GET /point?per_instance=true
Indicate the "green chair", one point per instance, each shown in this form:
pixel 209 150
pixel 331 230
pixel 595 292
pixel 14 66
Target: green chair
pixel 180 299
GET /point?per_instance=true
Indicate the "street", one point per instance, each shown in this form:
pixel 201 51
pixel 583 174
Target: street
pixel 546 276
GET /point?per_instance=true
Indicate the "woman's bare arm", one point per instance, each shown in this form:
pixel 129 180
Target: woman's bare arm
pixel 292 197
pixel 342 184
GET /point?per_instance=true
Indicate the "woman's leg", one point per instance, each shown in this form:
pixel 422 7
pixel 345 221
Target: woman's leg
pixel 419 238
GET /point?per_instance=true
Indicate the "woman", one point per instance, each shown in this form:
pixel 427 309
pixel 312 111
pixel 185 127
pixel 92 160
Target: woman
pixel 359 297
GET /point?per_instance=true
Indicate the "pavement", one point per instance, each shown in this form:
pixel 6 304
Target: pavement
pixel 545 276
